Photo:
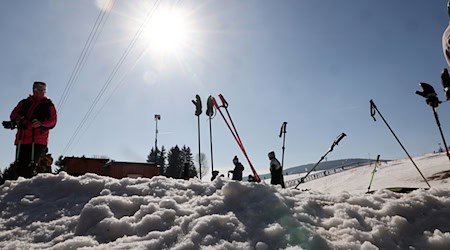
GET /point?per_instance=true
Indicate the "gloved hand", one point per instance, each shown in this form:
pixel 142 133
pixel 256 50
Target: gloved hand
pixel 445 77
pixel 9 124
pixel 429 93
pixel 20 122
pixel 36 123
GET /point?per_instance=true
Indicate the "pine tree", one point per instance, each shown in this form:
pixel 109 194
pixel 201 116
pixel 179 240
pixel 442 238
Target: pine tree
pixel 188 159
pixel 175 162
pixel 151 157
pixel 160 158
pixel 8 174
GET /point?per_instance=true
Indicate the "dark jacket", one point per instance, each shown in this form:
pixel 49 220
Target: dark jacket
pixel 237 171
pixel 276 172
pixel 31 108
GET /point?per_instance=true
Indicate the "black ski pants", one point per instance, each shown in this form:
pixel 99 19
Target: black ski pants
pixel 23 165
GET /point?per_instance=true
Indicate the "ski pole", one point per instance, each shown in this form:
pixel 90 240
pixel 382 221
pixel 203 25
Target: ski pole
pixel 373 172
pixel 336 142
pixel 225 105
pixel 238 138
pixel 16 162
pixel 198 112
pixel 373 111
pixel 210 113
pixel 199 151
pixel 433 101
pixel 19 143
pixel 32 162
pixel 257 178
pixel 440 130
pixel 283 131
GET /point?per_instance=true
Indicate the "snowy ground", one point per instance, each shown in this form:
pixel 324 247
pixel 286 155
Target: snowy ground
pixel 93 212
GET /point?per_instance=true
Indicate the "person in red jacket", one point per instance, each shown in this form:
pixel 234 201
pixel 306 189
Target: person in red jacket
pixel 33 117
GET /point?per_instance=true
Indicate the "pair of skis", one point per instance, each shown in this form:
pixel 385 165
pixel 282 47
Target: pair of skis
pixel 233 131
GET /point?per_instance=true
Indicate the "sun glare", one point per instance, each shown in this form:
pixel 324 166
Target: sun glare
pixel 167 31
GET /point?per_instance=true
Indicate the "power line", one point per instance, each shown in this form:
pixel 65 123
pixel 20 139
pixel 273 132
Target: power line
pixel 111 77
pixel 90 42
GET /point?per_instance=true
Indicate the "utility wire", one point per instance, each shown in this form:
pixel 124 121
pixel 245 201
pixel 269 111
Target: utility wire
pixel 111 77
pixel 89 44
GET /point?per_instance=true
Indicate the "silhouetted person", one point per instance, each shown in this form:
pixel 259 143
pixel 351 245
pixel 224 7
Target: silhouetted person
pixel 238 169
pixel 276 170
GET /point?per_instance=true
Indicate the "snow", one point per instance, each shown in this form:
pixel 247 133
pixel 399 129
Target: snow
pixel 94 212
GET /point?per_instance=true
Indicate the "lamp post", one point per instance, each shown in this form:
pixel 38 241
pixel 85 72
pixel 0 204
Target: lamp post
pixel 157 117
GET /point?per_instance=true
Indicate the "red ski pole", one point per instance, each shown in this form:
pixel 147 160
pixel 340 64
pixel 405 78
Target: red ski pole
pixel 235 135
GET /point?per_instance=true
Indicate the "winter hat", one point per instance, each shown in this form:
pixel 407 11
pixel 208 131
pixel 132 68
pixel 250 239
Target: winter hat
pixel 235 159
pixel 271 154
pixel 37 85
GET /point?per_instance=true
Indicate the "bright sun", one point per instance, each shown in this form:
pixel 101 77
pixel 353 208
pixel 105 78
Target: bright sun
pixel 167 30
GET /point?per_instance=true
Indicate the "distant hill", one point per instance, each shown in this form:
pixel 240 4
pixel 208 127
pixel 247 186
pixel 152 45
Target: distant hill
pixel 324 165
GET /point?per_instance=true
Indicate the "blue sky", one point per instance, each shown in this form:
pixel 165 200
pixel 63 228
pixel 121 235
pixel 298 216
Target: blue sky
pixel 314 64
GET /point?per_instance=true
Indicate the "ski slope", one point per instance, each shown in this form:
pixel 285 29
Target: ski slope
pixel 399 173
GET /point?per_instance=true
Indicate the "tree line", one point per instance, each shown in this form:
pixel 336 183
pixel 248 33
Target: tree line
pixel 173 162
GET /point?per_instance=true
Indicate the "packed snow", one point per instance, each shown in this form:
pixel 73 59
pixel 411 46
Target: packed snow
pixel 95 212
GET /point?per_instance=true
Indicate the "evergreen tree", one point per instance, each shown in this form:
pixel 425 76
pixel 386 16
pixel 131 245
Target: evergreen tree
pixel 1 178
pixel 151 157
pixel 187 155
pixel 175 163
pixel 8 174
pixel 188 158
pixel 160 158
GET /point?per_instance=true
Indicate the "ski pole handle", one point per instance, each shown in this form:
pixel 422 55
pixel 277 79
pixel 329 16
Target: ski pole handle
pixel 209 107
pixel 283 128
pixel 215 103
pixel 338 139
pixel 373 108
pixel 224 102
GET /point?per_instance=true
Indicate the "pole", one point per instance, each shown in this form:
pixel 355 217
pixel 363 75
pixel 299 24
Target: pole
pixel 374 108
pixel 234 133
pixel 198 111
pixel 440 130
pixel 336 142
pixel 373 172
pixel 210 114
pixel 199 151
pixel 211 144
pixel 157 117
pixel 32 165
pixel 283 131
pixel 19 143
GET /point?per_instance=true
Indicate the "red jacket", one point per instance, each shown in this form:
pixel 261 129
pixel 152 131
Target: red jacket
pixel 29 109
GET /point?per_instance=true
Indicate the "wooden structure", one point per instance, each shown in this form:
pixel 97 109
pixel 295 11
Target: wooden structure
pixel 121 170
pixel 77 166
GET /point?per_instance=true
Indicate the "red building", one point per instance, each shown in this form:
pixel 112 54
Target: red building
pixel 121 170
pixel 77 166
